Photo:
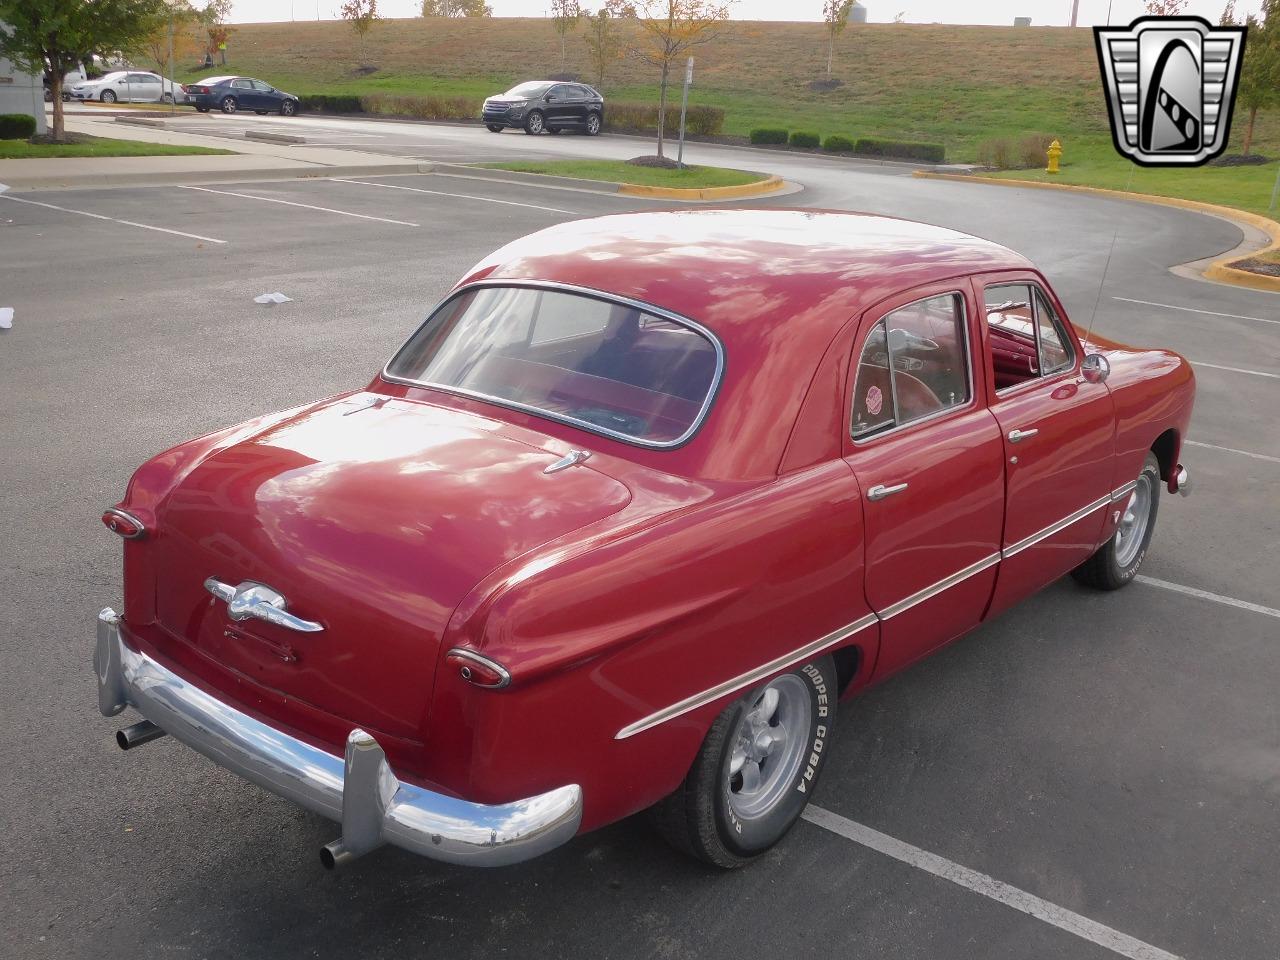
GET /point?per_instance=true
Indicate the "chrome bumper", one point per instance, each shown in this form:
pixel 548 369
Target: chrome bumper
pixel 1180 482
pixel 358 790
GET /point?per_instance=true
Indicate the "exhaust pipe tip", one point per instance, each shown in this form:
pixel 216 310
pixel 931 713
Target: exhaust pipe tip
pixel 135 735
pixel 336 854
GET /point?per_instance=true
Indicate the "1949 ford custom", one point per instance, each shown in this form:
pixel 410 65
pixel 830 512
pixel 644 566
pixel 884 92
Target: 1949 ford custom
pixel 623 520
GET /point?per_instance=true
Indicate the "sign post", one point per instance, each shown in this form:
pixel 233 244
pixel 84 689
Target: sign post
pixel 684 105
pixel 173 88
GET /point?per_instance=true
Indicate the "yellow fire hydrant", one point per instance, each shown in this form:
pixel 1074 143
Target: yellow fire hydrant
pixel 1054 153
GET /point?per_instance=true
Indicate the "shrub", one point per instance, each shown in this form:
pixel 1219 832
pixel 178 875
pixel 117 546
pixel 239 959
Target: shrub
pixel 643 118
pixel 768 135
pixel 1031 150
pixel 329 103
pixel 430 107
pixel 803 138
pixel 17 126
pixel 1004 154
pixel 900 149
pixel 837 144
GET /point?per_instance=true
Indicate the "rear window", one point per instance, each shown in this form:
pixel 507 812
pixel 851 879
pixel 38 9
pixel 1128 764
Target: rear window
pixel 607 366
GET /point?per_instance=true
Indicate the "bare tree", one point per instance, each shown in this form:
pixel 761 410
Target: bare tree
pixel 604 42
pixel 1166 8
pixel 565 17
pixel 836 15
pixel 670 28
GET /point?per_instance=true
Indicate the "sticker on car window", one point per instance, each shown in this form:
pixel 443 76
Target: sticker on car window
pixel 875 401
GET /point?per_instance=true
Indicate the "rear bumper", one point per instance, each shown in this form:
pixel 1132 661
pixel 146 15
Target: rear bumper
pixel 358 790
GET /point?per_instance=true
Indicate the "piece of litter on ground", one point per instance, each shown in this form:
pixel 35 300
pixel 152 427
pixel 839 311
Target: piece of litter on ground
pixel 270 298
pixel 3 187
pixel 6 318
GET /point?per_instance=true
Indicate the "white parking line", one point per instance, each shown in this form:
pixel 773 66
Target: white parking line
pixel 307 206
pixel 1001 892
pixel 127 223
pixel 445 193
pixel 1243 453
pixel 1206 595
pixel 1252 373
pixel 1211 313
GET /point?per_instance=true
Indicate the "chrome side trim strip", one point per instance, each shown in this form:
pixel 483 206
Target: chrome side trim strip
pixel 1053 528
pixel 745 679
pixel 929 592
pixel 1124 491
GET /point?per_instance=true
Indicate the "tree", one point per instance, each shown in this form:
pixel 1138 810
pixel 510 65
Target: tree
pixel 214 16
pixel 604 44
pixel 836 15
pixel 174 34
pixel 669 28
pixel 1228 18
pixel 360 14
pixel 456 8
pixel 1166 8
pixel 565 17
pixel 54 36
pixel 1260 72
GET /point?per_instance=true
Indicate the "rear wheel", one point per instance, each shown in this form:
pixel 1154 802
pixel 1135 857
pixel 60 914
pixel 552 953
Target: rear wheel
pixel 755 771
pixel 593 124
pixel 534 123
pixel 108 96
pixel 1117 561
pixel 229 105
pixel 494 127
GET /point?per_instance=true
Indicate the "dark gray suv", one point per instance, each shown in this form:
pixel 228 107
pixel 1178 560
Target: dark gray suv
pixel 546 105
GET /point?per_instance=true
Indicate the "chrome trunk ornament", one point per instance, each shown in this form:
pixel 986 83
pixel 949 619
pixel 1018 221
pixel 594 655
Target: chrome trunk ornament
pixel 256 600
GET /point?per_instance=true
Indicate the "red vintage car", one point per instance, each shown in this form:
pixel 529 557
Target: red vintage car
pixel 622 522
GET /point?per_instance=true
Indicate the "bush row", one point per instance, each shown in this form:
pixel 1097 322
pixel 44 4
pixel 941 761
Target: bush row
pixel 17 126
pixel 643 118
pixel 430 107
pixel 1005 153
pixel 863 146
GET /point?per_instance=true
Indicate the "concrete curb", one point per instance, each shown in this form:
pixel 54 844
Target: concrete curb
pixel 741 191
pixel 141 122
pixel 140 179
pixel 1220 270
pixel 516 176
pixel 273 137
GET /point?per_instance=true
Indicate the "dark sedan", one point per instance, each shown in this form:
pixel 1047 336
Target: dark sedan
pixel 546 105
pixel 233 94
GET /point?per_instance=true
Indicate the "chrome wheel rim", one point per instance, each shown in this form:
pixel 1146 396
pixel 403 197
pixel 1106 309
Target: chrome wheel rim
pixel 108 97
pixel 228 105
pixel 593 124
pixel 535 123
pixel 287 109
pixel 768 746
pixel 1133 522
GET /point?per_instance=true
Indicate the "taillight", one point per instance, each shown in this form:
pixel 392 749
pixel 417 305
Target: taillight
pixel 476 669
pixel 123 523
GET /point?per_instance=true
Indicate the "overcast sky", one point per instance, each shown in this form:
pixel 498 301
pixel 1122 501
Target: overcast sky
pixel 1056 13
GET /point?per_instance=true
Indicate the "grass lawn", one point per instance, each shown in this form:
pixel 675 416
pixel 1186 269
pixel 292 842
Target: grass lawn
pixel 1096 164
pixel 86 146
pixel 619 171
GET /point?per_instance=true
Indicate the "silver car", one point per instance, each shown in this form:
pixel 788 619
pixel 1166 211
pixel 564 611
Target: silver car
pixel 130 86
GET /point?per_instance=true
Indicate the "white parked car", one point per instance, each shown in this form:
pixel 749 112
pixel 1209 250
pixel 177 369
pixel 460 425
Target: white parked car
pixel 130 86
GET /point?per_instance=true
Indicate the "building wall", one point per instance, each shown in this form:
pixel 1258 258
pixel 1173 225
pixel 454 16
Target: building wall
pixel 21 93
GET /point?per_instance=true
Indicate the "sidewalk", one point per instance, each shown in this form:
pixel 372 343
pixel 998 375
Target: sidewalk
pixel 253 160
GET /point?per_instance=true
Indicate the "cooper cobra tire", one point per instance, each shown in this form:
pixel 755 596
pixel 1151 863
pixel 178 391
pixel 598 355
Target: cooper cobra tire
pixel 755 771
pixel 229 105
pixel 1117 561
pixel 534 123
pixel 108 96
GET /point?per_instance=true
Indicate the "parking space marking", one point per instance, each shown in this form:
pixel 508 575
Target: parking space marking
pixel 1252 373
pixel 461 196
pixel 1206 595
pixel 127 223
pixel 1243 453
pixel 1211 313
pixel 1001 892
pixel 307 206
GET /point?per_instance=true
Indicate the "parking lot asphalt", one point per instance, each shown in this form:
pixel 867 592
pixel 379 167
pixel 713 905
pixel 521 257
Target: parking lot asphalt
pixel 1113 758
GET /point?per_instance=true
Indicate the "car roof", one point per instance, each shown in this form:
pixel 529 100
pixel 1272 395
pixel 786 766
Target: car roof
pixel 217 80
pixel 733 270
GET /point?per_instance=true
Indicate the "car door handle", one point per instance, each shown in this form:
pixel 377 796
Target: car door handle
pixel 880 490
pixel 1017 436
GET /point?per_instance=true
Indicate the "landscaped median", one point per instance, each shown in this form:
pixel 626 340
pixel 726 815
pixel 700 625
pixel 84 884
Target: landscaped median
pixel 687 183
pixel 82 145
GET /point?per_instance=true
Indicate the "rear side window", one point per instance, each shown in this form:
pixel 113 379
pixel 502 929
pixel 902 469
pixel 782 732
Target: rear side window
pixel 606 366
pixel 913 364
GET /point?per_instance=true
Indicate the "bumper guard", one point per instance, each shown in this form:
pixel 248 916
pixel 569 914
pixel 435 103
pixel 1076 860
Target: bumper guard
pixel 358 790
